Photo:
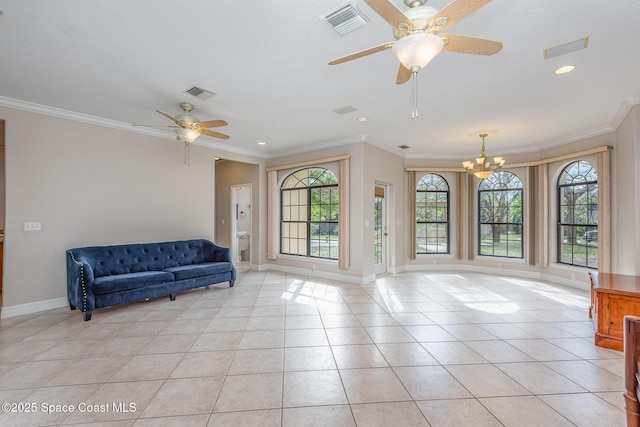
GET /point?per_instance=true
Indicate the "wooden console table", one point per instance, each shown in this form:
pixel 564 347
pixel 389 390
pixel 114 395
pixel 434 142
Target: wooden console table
pixel 613 296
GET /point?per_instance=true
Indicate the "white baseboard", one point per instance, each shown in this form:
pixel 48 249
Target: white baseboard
pixel 33 307
pixel 502 272
pixel 322 274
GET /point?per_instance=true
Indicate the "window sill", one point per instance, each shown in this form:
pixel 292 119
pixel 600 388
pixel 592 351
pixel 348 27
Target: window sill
pixel 500 258
pixel 308 259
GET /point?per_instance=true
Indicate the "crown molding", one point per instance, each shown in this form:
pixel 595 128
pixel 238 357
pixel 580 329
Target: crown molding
pixel 322 145
pixel 114 124
pixel 622 112
pixel 80 117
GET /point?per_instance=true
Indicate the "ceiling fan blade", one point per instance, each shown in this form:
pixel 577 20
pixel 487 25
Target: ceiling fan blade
pixel 389 12
pixel 454 12
pixel 213 134
pixel 472 45
pixel 169 117
pixel 211 124
pixel 404 74
pixel 362 53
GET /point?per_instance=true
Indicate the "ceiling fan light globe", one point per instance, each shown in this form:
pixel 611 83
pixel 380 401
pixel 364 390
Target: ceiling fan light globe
pixel 417 50
pixel 187 135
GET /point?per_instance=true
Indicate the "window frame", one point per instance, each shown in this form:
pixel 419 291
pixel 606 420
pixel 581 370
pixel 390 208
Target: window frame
pixel 447 222
pixel 574 225
pixel 495 223
pixel 309 223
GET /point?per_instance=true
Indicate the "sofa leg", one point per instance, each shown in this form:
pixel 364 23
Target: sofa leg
pixel 87 316
pixel 72 307
pixel 231 282
pixel 172 297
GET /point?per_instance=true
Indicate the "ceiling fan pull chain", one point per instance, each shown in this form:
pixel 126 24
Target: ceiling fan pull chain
pixel 414 112
pixel 187 159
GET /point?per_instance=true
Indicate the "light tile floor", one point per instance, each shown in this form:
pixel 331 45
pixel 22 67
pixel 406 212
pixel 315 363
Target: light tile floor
pixel 414 349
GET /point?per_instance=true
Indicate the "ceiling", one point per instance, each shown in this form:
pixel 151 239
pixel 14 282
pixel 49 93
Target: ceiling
pixel 120 60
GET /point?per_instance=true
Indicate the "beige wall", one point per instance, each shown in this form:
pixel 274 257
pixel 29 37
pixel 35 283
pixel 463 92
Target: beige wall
pixel 386 168
pixel 2 177
pixel 91 185
pixel 625 227
pixel 231 173
pixel 625 206
pixel 356 212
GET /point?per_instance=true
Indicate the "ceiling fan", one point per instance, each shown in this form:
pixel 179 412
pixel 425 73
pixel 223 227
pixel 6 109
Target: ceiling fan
pixel 416 40
pixel 188 128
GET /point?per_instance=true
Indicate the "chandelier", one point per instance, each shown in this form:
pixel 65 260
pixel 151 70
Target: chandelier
pixel 484 168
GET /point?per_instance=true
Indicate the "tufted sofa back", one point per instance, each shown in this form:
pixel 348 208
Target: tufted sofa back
pixel 135 258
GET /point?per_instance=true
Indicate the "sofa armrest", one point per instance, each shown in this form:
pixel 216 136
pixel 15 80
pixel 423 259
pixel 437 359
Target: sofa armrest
pixel 80 283
pixel 220 253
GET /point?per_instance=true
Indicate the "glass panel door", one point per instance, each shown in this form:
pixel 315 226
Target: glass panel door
pixel 380 231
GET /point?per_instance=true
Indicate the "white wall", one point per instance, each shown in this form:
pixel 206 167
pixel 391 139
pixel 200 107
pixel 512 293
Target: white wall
pixel 92 185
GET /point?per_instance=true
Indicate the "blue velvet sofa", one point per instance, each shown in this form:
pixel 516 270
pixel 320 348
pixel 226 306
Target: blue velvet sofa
pixel 104 276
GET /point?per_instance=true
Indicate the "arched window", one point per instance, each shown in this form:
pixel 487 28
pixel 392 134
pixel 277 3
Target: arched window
pixel 432 215
pixel 500 216
pixel 309 219
pixel 578 215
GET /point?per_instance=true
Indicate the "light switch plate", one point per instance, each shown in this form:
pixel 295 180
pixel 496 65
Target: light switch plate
pixel 32 226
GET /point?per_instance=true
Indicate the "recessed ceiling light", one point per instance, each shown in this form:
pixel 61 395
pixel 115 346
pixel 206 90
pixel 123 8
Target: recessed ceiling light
pixel 565 69
pixel 363 119
pixel 262 143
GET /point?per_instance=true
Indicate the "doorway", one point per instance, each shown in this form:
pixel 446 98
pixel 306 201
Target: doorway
pixel 380 229
pixel 241 224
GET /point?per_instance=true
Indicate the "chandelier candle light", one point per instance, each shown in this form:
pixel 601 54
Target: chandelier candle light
pixel 484 168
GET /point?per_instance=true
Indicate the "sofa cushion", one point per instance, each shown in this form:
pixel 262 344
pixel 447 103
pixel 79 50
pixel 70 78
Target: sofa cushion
pixel 196 270
pixel 123 282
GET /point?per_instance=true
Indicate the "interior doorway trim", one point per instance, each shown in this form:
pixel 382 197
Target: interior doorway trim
pixel 241 223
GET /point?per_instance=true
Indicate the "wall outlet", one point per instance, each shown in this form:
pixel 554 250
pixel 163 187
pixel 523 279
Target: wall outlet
pixel 434 262
pixel 573 276
pixel 499 265
pixel 32 226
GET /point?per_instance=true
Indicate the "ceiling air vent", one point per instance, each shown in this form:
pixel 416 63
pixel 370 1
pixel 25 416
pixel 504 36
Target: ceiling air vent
pixel 403 147
pixel 346 109
pixel 563 49
pixel 345 19
pixel 200 93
